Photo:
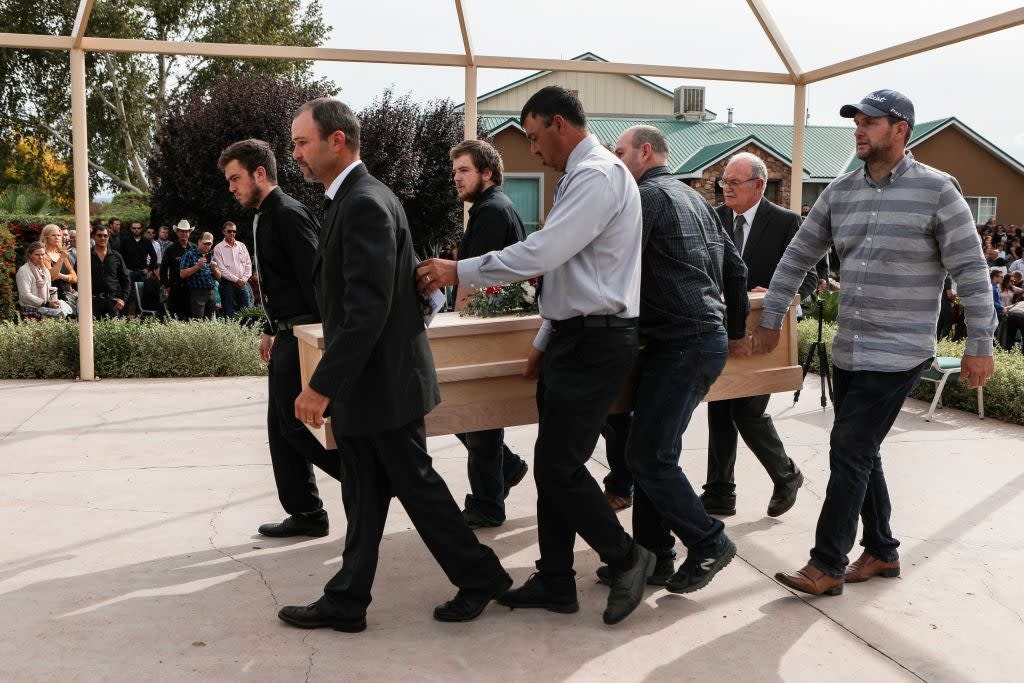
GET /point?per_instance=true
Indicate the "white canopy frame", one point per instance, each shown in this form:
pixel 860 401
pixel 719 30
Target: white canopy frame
pixel 77 44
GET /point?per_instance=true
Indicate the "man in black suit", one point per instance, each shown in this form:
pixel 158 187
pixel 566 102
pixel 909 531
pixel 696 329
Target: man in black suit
pixel 377 375
pixel 761 232
pixel 493 224
pixel 285 238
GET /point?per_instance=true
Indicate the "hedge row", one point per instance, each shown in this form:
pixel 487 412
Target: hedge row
pixel 1004 393
pixel 129 348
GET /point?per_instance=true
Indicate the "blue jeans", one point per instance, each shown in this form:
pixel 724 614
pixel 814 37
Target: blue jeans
pixel 673 380
pixel 232 298
pixel 867 404
pixel 490 464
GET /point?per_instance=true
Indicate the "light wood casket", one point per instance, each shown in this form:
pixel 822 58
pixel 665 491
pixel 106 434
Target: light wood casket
pixel 480 363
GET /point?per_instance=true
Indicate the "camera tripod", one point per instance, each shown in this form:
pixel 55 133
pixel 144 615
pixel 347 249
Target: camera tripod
pixel 824 368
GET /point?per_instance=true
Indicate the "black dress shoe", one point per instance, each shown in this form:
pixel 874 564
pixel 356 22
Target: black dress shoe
pixel 312 616
pixel 627 587
pixel 723 506
pixel 784 496
pixel 664 567
pixel 297 525
pixel 467 605
pixel 516 478
pixel 474 520
pixel 554 595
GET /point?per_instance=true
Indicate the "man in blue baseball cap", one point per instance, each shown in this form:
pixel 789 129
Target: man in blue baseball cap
pixel 894 215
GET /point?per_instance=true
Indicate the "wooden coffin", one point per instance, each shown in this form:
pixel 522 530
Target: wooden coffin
pixel 480 363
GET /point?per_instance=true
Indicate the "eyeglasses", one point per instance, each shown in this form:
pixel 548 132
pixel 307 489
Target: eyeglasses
pixel 734 183
pixel 101 236
pixel 230 232
pixel 206 244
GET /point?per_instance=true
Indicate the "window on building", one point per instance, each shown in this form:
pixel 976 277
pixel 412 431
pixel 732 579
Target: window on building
pixel 526 190
pixel 982 208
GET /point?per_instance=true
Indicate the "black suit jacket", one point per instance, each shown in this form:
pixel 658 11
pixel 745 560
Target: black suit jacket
pixel 377 367
pixel 767 240
pixel 287 236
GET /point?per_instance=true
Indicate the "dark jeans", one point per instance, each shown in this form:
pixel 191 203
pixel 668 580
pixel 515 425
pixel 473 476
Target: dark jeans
pixel 866 405
pixel 673 380
pixel 178 301
pixel 490 464
pixel 293 449
pixel 582 373
pixel 103 307
pixel 744 417
pixel 1013 324
pixel 619 479
pixel 202 304
pixel 396 464
pixel 232 298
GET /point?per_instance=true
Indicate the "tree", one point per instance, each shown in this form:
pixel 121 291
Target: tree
pixel 129 94
pixel 29 161
pixel 186 180
pixel 405 145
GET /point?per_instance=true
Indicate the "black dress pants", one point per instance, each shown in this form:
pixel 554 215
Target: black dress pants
pixel 582 373
pixel 396 463
pixel 293 449
pixel 746 417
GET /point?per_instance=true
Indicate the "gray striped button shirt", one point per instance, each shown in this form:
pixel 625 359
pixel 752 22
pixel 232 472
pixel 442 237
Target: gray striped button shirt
pixel 896 240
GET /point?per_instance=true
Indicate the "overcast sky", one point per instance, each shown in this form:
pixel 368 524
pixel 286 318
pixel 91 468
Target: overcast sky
pixel 981 81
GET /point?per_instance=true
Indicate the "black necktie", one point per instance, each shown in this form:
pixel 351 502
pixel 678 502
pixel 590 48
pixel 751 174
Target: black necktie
pixel 327 203
pixel 737 233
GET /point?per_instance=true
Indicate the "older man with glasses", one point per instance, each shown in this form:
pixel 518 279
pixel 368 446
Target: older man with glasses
pixel 200 271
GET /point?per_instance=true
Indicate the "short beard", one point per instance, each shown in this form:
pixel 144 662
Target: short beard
pixel 473 195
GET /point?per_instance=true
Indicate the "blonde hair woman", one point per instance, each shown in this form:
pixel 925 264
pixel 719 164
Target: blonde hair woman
pixel 58 262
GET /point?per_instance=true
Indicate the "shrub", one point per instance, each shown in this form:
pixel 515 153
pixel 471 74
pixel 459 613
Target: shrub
pixel 1002 392
pixel 8 267
pixel 130 348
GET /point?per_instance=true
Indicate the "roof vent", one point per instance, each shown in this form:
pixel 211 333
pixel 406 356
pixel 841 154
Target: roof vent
pixel 688 102
pixel 729 123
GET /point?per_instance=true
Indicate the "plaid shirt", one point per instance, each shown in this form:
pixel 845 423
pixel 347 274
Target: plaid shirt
pixel 688 264
pixel 203 278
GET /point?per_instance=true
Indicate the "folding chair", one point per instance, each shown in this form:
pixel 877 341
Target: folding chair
pixel 143 312
pixel 943 368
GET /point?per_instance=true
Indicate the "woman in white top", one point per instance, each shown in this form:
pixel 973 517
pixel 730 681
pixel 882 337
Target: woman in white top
pixel 33 280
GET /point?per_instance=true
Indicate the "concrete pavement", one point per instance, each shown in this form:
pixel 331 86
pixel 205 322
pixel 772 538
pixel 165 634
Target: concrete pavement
pixel 129 552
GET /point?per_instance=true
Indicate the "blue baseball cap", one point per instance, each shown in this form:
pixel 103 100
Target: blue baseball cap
pixel 882 103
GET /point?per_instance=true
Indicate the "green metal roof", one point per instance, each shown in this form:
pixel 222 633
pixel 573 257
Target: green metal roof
pixel 694 145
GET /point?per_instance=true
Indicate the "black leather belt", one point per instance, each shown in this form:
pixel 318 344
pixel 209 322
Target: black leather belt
pixel 289 323
pixel 582 321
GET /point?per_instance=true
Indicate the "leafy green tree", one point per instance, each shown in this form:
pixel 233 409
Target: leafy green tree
pixel 129 94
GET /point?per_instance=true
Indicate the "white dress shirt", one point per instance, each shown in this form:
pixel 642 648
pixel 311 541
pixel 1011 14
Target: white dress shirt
pixel 748 216
pixel 588 250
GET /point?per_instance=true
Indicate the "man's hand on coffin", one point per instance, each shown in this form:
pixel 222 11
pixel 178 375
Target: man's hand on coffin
pixel 310 406
pixel 435 273
pixel 765 340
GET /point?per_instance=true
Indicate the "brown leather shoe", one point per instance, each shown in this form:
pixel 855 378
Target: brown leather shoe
pixel 811 580
pixel 618 502
pixel 868 566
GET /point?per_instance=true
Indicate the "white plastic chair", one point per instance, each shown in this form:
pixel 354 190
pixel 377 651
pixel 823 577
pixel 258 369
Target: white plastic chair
pixel 943 368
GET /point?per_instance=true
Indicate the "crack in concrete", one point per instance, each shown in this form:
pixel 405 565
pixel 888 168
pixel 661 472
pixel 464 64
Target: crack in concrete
pixel 838 623
pixel 40 409
pixel 995 598
pixel 313 653
pixel 93 508
pixel 213 532
pixel 122 469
